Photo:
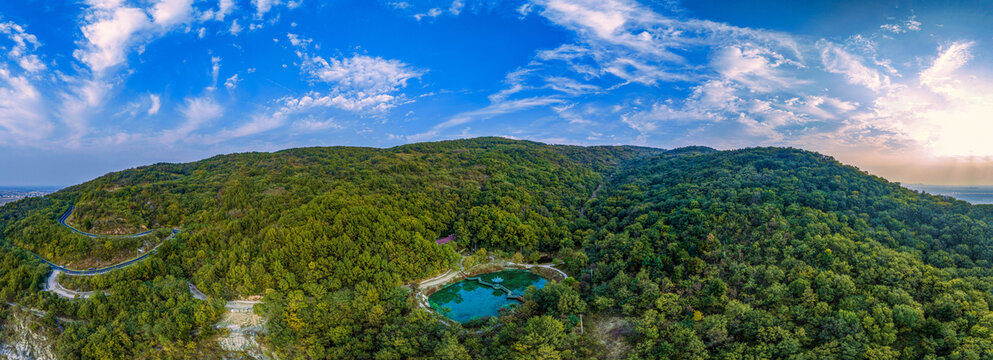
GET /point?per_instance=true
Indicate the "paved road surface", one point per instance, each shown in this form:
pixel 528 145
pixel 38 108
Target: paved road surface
pixel 91 272
pixel 64 217
pixel 54 286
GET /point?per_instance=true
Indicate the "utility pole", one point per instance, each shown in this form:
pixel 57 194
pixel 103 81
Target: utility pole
pixel 581 331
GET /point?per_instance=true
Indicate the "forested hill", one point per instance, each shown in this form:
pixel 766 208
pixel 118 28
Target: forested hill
pixel 689 253
pixel 782 253
pixel 276 220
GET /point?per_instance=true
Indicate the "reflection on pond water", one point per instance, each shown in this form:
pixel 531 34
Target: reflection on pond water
pixel 469 299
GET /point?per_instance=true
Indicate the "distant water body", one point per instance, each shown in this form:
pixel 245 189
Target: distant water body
pixel 978 194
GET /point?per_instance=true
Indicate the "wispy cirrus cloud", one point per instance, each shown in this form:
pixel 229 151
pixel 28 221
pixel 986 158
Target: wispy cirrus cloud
pixel 496 109
pixel 23 115
pixel 197 112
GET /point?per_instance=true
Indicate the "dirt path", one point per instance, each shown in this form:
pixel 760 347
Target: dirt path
pixel 440 279
pixel 582 211
pixel 196 292
pixel 241 305
pixel 39 313
pixel 238 306
pixel 546 266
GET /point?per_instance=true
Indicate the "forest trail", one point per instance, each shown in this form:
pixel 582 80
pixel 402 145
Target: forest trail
pixel 582 211
pixel 196 292
pixel 38 312
pixel 546 266
pixel 440 279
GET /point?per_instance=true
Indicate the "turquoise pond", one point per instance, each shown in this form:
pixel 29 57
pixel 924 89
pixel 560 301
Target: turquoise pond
pixel 468 299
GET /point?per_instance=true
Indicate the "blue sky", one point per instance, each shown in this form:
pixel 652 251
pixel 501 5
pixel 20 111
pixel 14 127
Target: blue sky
pixel 902 89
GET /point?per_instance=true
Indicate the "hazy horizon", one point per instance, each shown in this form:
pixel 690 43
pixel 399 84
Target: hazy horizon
pixel 42 185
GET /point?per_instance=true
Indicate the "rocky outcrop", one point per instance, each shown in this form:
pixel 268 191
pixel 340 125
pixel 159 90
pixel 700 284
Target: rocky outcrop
pixel 22 338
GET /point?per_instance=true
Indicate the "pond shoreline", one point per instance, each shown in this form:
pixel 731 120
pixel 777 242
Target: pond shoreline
pixel 424 289
pixel 485 295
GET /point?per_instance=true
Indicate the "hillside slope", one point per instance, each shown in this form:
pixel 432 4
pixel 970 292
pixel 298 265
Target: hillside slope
pixel 773 253
pixel 346 214
pixel 695 253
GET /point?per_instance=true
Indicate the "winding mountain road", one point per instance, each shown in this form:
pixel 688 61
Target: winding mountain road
pixel 91 272
pixel 53 285
pixel 64 217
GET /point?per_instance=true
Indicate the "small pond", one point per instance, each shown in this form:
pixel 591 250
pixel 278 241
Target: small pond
pixel 469 299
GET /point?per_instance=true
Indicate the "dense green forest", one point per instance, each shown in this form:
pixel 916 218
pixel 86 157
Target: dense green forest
pixel 696 253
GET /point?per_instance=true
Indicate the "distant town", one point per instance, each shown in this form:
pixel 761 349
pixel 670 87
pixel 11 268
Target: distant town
pixel 11 194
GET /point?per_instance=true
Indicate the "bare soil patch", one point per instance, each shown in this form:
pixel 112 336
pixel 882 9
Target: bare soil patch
pixel 612 332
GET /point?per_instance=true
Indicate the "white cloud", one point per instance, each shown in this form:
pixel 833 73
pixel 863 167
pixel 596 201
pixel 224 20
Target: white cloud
pixel 111 30
pixel 23 118
pixel 456 8
pixel 109 33
pixel 197 112
pixel 263 6
pixel 235 29
pixel 939 76
pixel 298 41
pixel 649 121
pixel 625 40
pixel 225 7
pixel 838 61
pixel 362 73
pixel 433 13
pixel 361 83
pixel 945 111
pixel 259 124
pixel 156 104
pixel 525 9
pixel 215 69
pixel 493 110
pixel 82 96
pixel 314 125
pixel 24 44
pixel 232 82
pixel 754 67
pixel 911 24
pixel 171 12
pixel 361 103
pixel 570 86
